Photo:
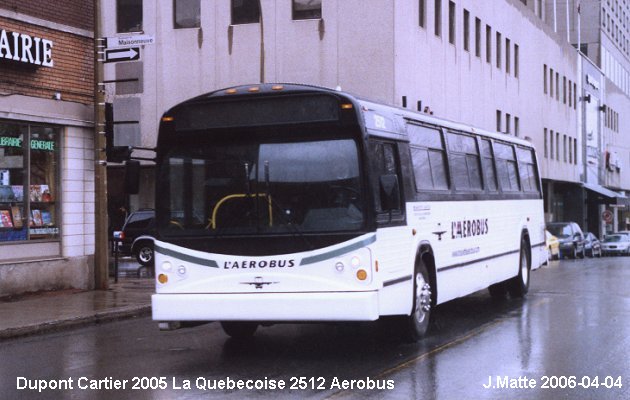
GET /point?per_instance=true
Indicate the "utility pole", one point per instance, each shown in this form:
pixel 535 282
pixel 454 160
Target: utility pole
pixel 101 267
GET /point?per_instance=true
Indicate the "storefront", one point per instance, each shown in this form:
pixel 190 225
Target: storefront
pixel 46 149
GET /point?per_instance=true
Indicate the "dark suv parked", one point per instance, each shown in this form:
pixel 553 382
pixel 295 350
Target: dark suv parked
pixel 136 236
pixel 571 238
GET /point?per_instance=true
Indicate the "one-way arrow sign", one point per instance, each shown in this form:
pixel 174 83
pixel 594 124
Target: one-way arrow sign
pixel 115 55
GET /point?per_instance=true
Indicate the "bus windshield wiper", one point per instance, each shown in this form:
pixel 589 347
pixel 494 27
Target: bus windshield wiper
pixel 282 210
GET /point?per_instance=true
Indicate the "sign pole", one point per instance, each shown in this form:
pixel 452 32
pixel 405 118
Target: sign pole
pixel 101 267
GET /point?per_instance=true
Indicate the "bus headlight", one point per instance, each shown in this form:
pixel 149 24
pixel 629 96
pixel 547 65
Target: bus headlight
pixel 167 266
pixel 355 262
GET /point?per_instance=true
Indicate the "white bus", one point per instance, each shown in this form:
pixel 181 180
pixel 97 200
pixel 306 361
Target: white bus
pixel 286 203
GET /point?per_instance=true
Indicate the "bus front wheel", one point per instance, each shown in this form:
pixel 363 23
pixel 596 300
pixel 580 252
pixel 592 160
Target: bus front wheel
pixel 417 324
pixel 239 330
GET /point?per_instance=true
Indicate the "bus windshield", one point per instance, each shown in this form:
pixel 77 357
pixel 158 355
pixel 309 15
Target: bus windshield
pixel 253 188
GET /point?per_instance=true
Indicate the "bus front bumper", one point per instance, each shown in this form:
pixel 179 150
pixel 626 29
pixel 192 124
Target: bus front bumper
pixel 273 307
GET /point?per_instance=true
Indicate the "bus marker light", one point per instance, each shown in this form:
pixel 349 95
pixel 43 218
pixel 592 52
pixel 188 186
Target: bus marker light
pixel 277 87
pixel 253 89
pixel 346 106
pixel 230 91
pixel 413 232
pixel 361 274
pixel 168 118
pixel 162 278
pixel 376 265
pixel 339 266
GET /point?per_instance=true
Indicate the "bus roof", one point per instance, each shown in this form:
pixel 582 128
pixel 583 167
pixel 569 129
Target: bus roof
pixel 396 115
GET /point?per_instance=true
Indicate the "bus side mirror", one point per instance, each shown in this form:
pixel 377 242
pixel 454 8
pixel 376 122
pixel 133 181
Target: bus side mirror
pixel 132 177
pixel 390 199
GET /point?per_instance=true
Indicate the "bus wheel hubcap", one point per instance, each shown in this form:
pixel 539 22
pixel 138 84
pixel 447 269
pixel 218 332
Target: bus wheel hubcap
pixel 524 269
pixel 423 298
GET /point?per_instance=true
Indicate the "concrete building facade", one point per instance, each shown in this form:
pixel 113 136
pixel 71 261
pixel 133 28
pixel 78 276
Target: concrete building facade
pixel 497 65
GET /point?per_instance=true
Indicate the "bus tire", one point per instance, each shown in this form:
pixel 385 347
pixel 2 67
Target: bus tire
pixel 519 285
pixel 238 329
pixel 416 325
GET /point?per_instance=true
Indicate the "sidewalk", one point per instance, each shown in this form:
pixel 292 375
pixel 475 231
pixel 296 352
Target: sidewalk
pixel 50 311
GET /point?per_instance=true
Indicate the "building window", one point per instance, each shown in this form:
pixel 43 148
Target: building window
pixel 557 86
pixel 422 13
pixel 488 44
pixel 551 144
pixel 245 12
pixel 466 30
pixel 508 123
pixel 558 146
pixel 551 82
pixel 307 9
pixel 570 150
pixel 477 37
pixel 516 61
pixel 451 22
pixel 575 151
pixel 29 182
pixel 574 96
pixel 186 14
pixel 498 50
pixel 545 78
pixel 498 120
pixel 438 18
pixel 516 127
pixel 564 89
pixel 129 15
pixel 570 94
pixel 545 145
pixel 507 55
pixel 564 147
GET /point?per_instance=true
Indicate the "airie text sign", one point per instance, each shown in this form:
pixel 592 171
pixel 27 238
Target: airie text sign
pixel 25 48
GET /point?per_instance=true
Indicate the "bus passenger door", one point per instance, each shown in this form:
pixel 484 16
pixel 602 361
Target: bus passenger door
pixel 392 248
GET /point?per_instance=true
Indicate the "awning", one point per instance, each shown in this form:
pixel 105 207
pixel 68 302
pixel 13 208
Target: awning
pixel 604 191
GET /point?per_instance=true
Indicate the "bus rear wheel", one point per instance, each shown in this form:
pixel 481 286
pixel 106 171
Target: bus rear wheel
pixel 239 330
pixel 519 285
pixel 417 324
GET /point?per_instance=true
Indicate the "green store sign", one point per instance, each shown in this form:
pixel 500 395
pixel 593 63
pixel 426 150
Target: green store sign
pixel 45 145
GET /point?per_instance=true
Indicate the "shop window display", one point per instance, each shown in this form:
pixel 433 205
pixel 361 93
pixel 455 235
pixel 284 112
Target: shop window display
pixel 29 172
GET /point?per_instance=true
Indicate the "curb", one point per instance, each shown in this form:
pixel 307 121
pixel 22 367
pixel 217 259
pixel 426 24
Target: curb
pixel 76 322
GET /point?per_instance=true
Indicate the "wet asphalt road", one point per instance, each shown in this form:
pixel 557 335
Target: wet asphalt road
pixel 572 334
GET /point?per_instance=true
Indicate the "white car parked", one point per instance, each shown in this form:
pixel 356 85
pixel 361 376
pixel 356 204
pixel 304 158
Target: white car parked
pixel 616 244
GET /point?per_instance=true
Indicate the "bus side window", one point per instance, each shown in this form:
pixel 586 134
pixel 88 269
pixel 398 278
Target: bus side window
pixel 487 159
pixel 507 167
pixel 386 180
pixel 527 169
pixel 464 158
pixel 428 158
